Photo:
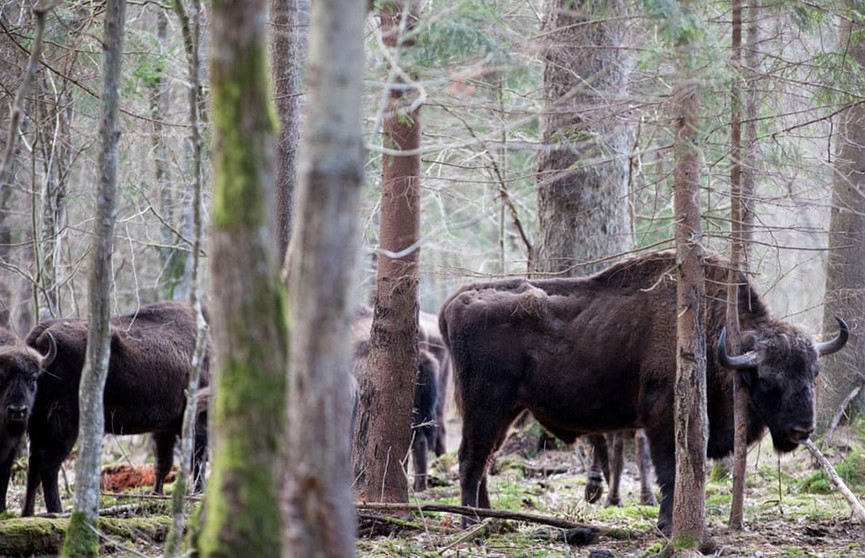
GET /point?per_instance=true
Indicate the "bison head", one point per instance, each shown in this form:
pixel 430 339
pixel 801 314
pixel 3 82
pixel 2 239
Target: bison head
pixel 779 372
pixel 20 367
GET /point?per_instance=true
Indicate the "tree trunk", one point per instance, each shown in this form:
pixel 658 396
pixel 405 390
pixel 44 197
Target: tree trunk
pixel 691 424
pixel 192 32
pixel 583 166
pixel 845 274
pixel 288 22
pixel 81 538
pixel 743 181
pixel 248 310
pixel 318 513
pixel 383 434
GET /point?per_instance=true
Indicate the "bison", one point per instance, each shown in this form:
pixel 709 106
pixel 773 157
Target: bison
pixel 598 354
pixel 20 368
pixel 145 391
pixel 427 409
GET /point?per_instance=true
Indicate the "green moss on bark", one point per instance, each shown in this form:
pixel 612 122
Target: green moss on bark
pixel 239 157
pixel 82 539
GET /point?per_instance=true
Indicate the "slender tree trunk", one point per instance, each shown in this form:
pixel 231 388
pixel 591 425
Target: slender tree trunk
pixel 191 31
pixel 845 274
pixel 383 434
pixel 319 518
pixel 288 21
pixel 743 181
pixel 241 516
pixel 583 167
pixel 81 538
pixel 691 424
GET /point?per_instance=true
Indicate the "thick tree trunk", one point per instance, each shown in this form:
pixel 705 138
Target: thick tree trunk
pixel 583 205
pixel 691 424
pixel 248 310
pixel 383 434
pixel 81 538
pixel 318 511
pixel 845 276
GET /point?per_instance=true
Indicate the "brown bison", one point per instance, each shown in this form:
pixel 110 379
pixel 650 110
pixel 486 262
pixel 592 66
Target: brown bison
pixel 598 354
pixel 145 391
pixel 20 368
pixel 427 411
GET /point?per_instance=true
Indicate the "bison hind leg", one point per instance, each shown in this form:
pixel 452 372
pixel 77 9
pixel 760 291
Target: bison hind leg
pixel 163 450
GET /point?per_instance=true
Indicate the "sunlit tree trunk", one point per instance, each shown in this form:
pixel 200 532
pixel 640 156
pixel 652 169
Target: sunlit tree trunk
pixel 81 537
pixel 319 518
pixel 247 313
pixel 843 371
pixel 383 433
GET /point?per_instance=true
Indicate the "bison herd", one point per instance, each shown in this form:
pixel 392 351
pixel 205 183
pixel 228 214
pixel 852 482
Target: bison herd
pixel 589 356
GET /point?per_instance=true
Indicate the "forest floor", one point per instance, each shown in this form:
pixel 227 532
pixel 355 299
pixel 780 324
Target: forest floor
pixel 791 510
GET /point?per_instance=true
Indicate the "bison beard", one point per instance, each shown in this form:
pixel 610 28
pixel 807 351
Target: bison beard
pixel 597 354
pixel 145 392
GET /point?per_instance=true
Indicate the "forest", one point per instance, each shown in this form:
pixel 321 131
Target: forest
pixel 301 199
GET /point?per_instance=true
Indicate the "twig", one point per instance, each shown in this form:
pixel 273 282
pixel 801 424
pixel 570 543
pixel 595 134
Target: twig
pixel 857 508
pixel 480 512
pixel 840 413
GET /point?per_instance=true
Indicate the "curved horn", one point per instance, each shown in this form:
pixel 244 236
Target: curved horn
pixel 747 360
pixel 834 345
pixel 49 357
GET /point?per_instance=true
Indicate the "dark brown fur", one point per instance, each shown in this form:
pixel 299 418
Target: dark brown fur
pixel 145 391
pixel 20 368
pixel 597 355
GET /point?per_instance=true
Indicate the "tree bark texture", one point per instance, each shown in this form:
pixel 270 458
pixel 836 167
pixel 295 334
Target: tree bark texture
pixel 845 274
pixel 742 189
pixel 248 309
pixel 583 206
pixel 288 24
pixel 317 497
pixel 81 538
pixel 691 423
pixel 383 434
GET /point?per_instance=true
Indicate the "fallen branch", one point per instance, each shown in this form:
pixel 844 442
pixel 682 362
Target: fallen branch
pixel 857 508
pixel 842 408
pixel 482 512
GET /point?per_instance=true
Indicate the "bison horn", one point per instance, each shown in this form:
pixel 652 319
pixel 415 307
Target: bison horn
pixel 49 357
pixel 834 345
pixel 748 360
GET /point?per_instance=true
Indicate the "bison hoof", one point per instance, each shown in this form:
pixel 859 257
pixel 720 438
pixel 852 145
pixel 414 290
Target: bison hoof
pixel 614 503
pixel 594 487
pixel 648 500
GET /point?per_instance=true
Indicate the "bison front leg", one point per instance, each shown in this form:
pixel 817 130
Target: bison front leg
pixel 616 465
pixel 599 469
pixel 419 450
pixel 644 459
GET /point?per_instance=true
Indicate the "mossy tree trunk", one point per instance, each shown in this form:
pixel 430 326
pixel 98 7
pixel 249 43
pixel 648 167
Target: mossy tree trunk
pixel 81 538
pixel 319 518
pixel 383 433
pixel 845 275
pixel 241 516
pixel 691 422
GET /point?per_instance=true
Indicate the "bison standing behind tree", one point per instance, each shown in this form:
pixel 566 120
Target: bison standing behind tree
pixel 598 354
pixel 20 368
pixel 145 391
